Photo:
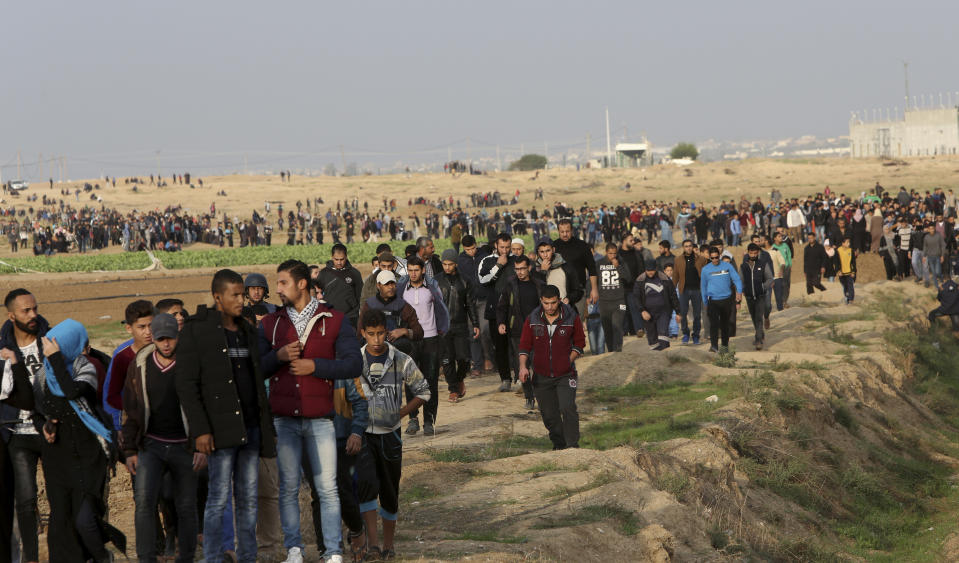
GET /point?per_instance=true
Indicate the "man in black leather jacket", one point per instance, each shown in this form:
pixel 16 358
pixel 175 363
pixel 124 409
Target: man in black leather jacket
pixel 460 300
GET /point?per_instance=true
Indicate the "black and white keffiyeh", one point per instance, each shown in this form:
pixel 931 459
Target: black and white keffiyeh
pixel 302 319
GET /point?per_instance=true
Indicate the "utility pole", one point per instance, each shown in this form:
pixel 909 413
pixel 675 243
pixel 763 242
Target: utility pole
pixel 905 71
pixel 609 150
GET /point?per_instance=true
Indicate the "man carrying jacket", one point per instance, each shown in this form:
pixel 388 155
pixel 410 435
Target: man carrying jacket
pixel 342 284
pixel 553 335
pixel 516 302
pixel 304 346
pixel 423 294
pixel 757 279
pixel 155 439
pixel 458 297
pixel 220 386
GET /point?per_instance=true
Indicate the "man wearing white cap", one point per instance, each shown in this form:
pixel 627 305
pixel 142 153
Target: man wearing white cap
pixel 402 324
pixel 517 247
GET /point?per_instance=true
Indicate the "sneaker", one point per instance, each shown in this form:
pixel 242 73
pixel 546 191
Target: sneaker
pixel 758 344
pixel 714 349
pixel 530 405
pixel 428 429
pixel 685 339
pixel 335 558
pixel 294 555
pixel 461 390
pixel 504 387
pixel 695 341
pixel 664 344
pixel 413 427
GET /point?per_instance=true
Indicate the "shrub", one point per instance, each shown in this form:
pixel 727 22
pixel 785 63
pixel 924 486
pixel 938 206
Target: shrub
pixel 529 162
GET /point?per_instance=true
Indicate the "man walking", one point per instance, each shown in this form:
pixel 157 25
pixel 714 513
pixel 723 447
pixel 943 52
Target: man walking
pixel 494 272
pixel 686 274
pixel 220 386
pixel 757 278
pixel 516 302
pixel 580 256
pixel 657 300
pixel 425 298
pixel 553 335
pixel 304 345
pixel 155 440
pixel 342 284
pixel 458 297
pixel 613 279
pixel 814 264
pixel 467 265
pixel 718 280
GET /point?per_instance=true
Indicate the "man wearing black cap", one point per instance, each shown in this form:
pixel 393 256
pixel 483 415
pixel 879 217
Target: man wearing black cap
pixel 155 439
pixel 458 296
pixel 657 300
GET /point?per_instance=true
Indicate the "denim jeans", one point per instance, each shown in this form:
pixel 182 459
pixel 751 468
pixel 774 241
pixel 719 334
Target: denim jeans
pixel 314 438
pixel 933 270
pixel 233 471
pixel 695 298
pixel 153 460
pixel 597 339
pixel 917 266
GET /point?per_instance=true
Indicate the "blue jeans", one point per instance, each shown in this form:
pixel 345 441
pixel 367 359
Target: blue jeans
pixel 233 470
pixel 316 439
pixel 666 232
pixel 917 267
pixel 933 269
pixel 597 338
pixel 685 298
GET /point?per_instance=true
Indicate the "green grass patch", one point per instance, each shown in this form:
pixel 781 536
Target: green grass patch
pixel 725 358
pixel 843 338
pixel 675 484
pixel 626 521
pixel 545 467
pixel 653 412
pixel 674 359
pixel 417 493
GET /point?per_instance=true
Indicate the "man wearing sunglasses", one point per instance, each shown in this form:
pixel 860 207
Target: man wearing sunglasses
pixel 719 280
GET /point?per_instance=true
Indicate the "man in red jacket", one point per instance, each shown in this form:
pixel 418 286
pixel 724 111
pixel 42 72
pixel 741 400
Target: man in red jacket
pixel 305 345
pixel 553 334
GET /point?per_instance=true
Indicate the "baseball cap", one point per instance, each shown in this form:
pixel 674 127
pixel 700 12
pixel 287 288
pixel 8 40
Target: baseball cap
pixel 385 277
pixel 650 265
pixel 449 255
pixel 164 325
pixel 519 241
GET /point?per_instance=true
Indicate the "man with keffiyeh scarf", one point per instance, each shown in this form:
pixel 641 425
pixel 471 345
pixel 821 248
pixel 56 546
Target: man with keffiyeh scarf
pixel 304 346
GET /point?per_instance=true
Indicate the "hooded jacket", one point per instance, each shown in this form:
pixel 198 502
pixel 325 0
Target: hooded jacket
pixel 639 290
pixel 562 276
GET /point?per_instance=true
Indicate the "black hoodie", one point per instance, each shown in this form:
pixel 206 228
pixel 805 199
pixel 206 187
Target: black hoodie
pixel 342 289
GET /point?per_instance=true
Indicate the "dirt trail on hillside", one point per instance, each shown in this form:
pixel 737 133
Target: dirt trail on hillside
pixel 462 501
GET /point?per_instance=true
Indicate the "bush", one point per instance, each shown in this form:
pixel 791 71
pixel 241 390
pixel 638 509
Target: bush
pixel 684 150
pixel 529 162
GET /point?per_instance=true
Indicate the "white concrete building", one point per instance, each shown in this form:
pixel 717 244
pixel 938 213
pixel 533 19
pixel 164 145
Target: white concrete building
pixel 921 132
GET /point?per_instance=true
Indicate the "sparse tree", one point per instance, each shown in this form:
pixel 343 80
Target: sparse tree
pixel 529 162
pixel 329 170
pixel 684 150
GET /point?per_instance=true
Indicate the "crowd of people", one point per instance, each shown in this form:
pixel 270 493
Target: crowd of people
pixel 219 414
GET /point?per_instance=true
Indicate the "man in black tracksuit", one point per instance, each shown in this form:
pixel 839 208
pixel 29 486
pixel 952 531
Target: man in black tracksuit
pixel 516 302
pixel 494 272
pixel 458 296
pixel 757 280
pixel 814 264
pixel 613 278
pixel 342 284
pixel 657 300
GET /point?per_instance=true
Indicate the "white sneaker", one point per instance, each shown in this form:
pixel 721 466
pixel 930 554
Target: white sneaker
pixel 295 555
pixel 335 558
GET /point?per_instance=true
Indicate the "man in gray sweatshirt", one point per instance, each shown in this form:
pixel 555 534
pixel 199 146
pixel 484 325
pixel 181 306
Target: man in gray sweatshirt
pixel 933 254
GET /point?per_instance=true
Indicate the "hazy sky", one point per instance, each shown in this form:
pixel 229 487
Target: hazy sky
pixel 109 83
